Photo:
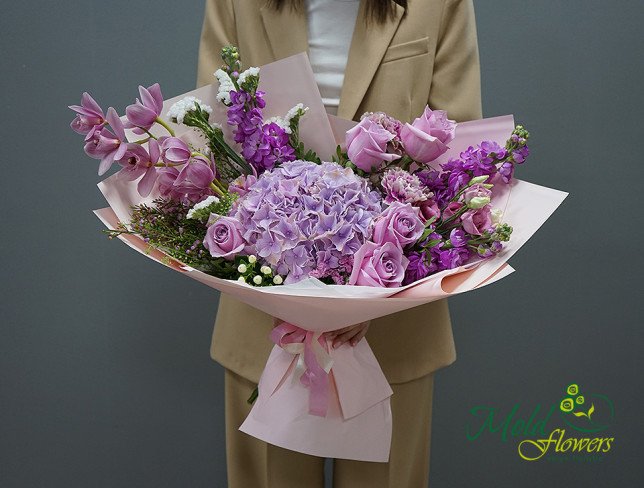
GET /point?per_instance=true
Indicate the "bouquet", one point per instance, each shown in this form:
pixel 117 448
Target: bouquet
pixel 273 211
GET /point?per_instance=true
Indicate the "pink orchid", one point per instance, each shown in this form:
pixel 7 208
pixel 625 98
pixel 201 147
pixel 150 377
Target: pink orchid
pixel 136 162
pixel 145 111
pixel 89 117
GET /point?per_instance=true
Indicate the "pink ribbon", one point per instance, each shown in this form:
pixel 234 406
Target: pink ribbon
pixel 314 362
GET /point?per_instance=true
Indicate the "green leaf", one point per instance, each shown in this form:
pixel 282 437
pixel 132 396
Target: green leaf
pixel 580 414
pixel 591 410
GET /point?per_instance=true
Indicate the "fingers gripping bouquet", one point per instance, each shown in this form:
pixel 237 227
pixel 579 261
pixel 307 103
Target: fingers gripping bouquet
pixel 396 215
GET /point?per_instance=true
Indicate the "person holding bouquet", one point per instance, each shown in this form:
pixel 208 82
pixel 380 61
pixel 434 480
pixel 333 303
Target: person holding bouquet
pixel 367 56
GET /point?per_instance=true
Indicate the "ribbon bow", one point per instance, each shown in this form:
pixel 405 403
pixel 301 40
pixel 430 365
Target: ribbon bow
pixel 313 362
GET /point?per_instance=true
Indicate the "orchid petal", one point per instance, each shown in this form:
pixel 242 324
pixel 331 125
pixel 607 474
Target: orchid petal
pixel 106 164
pixel 147 182
pixel 115 123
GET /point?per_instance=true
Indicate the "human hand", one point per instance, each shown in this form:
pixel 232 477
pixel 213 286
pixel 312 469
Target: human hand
pixel 352 334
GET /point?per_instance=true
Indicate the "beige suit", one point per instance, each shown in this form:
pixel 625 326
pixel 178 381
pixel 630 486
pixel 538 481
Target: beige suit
pixel 427 55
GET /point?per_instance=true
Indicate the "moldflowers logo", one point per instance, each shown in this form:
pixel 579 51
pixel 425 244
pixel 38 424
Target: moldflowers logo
pixel 574 428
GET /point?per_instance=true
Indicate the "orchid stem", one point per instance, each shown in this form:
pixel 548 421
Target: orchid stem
pixel 216 189
pixel 165 125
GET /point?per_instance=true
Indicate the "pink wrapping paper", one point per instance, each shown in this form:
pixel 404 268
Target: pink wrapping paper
pixel 358 422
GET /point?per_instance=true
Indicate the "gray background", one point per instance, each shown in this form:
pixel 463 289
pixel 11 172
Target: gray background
pixel 106 379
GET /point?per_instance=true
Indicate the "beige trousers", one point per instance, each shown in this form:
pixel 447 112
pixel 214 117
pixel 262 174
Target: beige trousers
pixel 253 463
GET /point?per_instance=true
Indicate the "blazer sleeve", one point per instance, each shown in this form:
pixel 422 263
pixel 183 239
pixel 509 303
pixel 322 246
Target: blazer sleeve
pixel 218 31
pixel 456 80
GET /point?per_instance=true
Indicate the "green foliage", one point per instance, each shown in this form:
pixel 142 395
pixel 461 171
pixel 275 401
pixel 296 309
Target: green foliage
pixel 165 226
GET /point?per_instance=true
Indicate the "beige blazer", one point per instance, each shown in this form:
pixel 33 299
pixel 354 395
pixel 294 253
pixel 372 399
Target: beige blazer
pixel 425 55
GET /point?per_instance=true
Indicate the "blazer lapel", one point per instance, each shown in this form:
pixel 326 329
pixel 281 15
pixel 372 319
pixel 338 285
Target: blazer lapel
pixel 286 30
pixel 368 46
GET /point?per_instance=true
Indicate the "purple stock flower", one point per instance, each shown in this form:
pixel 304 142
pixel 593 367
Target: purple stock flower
pixel 506 170
pixel 89 116
pixel 263 145
pixel 521 154
pixel 453 258
pixel 417 269
pixel 145 111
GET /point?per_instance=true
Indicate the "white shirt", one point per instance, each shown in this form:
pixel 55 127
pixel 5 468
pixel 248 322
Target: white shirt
pixel 330 28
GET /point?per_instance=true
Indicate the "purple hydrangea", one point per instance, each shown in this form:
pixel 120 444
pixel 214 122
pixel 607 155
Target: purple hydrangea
pixel 304 219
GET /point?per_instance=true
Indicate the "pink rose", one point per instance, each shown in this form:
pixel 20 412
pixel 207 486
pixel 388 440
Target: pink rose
pixel 224 238
pixel 427 137
pixel 378 265
pixel 477 221
pixel 367 145
pixel 399 224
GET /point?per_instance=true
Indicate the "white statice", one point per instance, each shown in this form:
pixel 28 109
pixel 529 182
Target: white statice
pixel 203 204
pixel 179 110
pixel 285 122
pixel 226 85
pixel 279 121
pixel 246 74
pixel 294 111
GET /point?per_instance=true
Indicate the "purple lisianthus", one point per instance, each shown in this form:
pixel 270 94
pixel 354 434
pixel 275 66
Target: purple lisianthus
pixel 224 238
pixel 400 223
pixel 367 145
pixel 145 111
pixel 427 137
pixel 401 186
pixel 429 209
pixel 458 238
pixel 477 221
pixel 378 265
pixel 451 209
pixel 477 196
pixel 486 251
pixel 89 116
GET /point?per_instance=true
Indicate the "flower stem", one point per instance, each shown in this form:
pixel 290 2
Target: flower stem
pixel 216 189
pixel 165 125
